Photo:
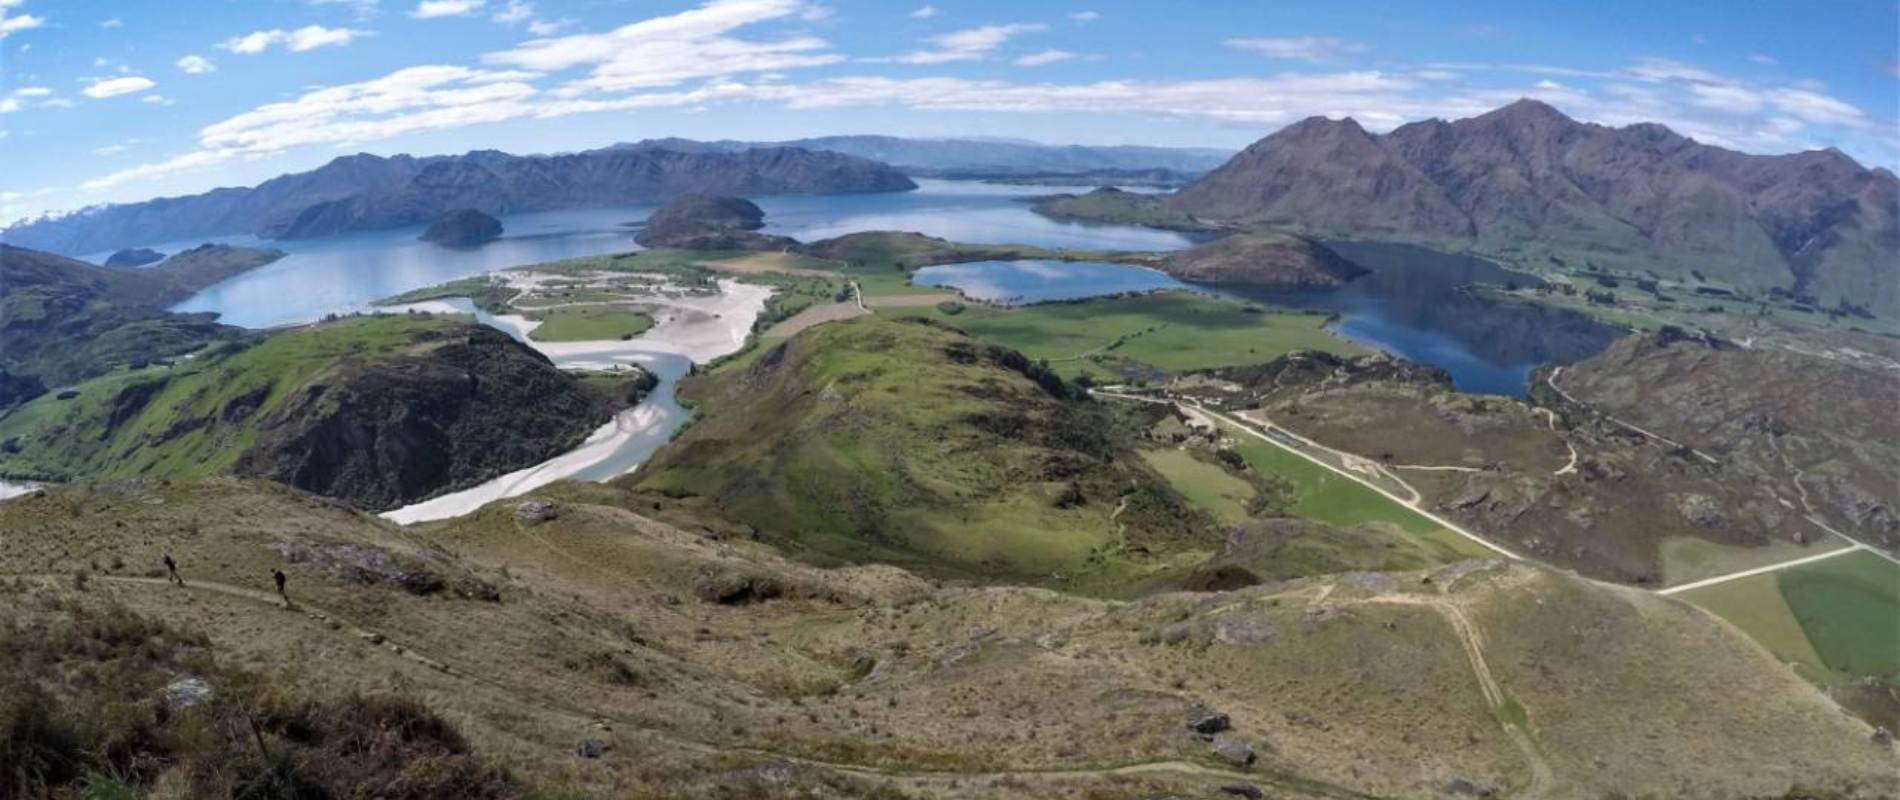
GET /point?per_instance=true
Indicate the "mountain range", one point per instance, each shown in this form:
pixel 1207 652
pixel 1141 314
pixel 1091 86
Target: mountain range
pixel 989 156
pixel 1526 183
pixel 367 192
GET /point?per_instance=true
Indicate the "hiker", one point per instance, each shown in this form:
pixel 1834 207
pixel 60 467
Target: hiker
pixel 279 576
pixel 171 570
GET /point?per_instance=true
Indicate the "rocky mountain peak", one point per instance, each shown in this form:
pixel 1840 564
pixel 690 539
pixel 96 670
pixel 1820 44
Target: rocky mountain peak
pixel 1526 111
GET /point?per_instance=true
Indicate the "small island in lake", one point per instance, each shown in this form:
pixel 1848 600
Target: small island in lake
pixel 463 227
pixel 710 222
pixel 134 257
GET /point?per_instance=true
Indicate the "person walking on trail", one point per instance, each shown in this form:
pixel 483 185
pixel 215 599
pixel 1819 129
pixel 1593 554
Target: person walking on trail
pixel 171 570
pixel 279 576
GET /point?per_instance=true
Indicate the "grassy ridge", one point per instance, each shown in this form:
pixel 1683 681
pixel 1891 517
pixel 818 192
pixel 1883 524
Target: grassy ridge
pixel 186 420
pixel 908 442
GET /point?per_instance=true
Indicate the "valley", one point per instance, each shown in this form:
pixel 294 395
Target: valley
pixel 730 484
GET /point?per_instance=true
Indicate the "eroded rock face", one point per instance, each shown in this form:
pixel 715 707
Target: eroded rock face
pixel 463 227
pixel 383 432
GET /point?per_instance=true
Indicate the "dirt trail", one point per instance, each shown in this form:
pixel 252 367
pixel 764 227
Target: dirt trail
pixel 314 613
pixel 1543 779
pixel 1551 380
pixel 670 738
pixel 1414 505
pixel 1551 417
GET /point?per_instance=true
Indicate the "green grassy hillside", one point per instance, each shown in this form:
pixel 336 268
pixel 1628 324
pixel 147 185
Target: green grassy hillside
pixel 1113 339
pixel 188 419
pixel 907 441
pixel 374 410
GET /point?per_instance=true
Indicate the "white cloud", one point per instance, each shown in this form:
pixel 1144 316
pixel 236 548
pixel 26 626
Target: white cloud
pixel 1726 97
pixel 924 12
pixel 664 51
pixel 1816 107
pixel 406 101
pixel 1299 48
pixel 111 149
pixel 1763 58
pixel 311 37
pixel 1044 57
pixel 113 87
pixel 196 65
pixel 1279 99
pixel 430 9
pixel 306 38
pixel 9 105
pixel 115 22
pixel 516 11
pixel 548 28
pixel 1085 16
pixel 254 42
pixel 12 25
pixel 363 8
pixel 155 99
pixel 969 45
pixel 1663 69
pixel 32 91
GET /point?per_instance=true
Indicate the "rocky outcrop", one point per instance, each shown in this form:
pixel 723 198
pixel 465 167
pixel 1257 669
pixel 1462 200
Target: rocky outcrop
pixel 365 192
pixel 390 430
pixel 1263 259
pixel 709 222
pixel 462 227
pixel 134 257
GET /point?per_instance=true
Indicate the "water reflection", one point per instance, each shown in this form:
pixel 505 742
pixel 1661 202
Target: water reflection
pixel 1018 282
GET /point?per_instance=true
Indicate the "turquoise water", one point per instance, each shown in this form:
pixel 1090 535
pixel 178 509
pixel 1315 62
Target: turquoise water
pixel 346 273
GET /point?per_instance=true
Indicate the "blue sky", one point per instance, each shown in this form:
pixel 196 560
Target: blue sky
pixel 114 100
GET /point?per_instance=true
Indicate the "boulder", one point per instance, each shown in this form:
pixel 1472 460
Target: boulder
pixel 187 692
pixel 1206 721
pixel 732 589
pixel 1246 790
pixel 535 512
pixel 1234 751
pixel 592 748
pixel 1467 788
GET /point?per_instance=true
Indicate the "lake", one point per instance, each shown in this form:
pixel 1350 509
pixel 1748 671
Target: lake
pixel 340 274
pixel 1412 304
pixel 1038 281
pixel 1409 305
